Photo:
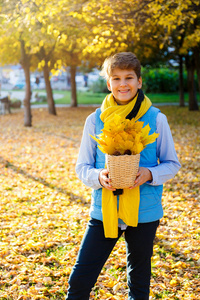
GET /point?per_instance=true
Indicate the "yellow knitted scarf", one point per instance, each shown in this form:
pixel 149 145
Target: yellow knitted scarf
pixel 130 199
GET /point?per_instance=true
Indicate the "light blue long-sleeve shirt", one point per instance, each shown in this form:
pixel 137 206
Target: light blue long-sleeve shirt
pixel 168 161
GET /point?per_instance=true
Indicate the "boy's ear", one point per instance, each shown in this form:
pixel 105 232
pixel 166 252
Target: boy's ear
pixel 140 82
pixel 108 85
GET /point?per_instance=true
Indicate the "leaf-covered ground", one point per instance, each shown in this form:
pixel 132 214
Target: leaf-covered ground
pixel 44 211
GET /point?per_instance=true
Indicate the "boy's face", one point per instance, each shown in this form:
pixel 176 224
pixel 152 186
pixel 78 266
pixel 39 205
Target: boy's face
pixel 124 85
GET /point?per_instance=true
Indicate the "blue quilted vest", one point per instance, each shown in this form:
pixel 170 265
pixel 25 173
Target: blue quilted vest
pixel 150 208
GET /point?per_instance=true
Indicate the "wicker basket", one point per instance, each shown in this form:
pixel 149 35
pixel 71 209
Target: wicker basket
pixel 122 169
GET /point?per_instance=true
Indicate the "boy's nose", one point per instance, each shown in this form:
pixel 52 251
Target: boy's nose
pixel 123 83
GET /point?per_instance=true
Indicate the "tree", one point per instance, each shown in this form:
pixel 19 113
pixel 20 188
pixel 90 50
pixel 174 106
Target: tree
pixel 25 63
pixel 125 26
pixel 181 18
pixel 46 59
pixel 26 24
pixel 42 42
pixel 149 28
pixel 15 35
pixel 74 36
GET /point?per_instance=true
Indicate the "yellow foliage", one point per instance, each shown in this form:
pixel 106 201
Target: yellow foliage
pixel 27 10
pixel 173 282
pixel 41 43
pixel 32 21
pixel 50 29
pixel 124 135
pixel 42 30
pixel 41 64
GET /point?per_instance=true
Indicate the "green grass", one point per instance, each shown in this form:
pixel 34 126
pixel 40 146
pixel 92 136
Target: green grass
pixel 166 98
pixel 88 97
pixel 82 97
pixel 97 98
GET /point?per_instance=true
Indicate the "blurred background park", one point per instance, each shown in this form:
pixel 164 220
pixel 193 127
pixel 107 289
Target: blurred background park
pixel 51 51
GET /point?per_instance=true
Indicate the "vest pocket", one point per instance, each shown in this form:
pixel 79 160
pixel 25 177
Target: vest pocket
pixel 150 196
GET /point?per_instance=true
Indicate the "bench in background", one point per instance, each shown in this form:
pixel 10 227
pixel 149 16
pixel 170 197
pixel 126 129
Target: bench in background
pixel 5 105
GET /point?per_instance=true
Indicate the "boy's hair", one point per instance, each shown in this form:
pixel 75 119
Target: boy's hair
pixel 123 61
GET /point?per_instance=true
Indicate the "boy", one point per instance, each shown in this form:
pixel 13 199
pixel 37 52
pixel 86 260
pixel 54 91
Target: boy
pixel 123 74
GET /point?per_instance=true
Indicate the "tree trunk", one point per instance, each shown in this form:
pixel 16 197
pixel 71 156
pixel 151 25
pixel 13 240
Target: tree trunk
pixel 181 85
pixel 25 62
pixel 50 100
pixel 73 86
pixel 197 63
pixel 193 105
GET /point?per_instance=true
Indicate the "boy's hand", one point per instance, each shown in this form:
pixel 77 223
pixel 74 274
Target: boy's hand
pixel 104 180
pixel 143 176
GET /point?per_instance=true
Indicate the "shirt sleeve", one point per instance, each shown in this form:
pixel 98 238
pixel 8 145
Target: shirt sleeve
pixel 85 166
pixel 168 161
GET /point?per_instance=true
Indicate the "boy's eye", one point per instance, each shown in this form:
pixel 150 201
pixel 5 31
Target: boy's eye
pixel 127 78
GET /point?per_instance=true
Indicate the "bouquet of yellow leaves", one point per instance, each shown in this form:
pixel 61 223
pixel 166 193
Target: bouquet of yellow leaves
pixel 122 141
pixel 124 136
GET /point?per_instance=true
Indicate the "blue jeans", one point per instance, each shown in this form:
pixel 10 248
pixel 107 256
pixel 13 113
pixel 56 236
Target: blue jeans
pixel 95 250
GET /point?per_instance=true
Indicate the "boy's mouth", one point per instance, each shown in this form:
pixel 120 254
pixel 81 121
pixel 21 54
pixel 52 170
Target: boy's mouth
pixel 123 91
